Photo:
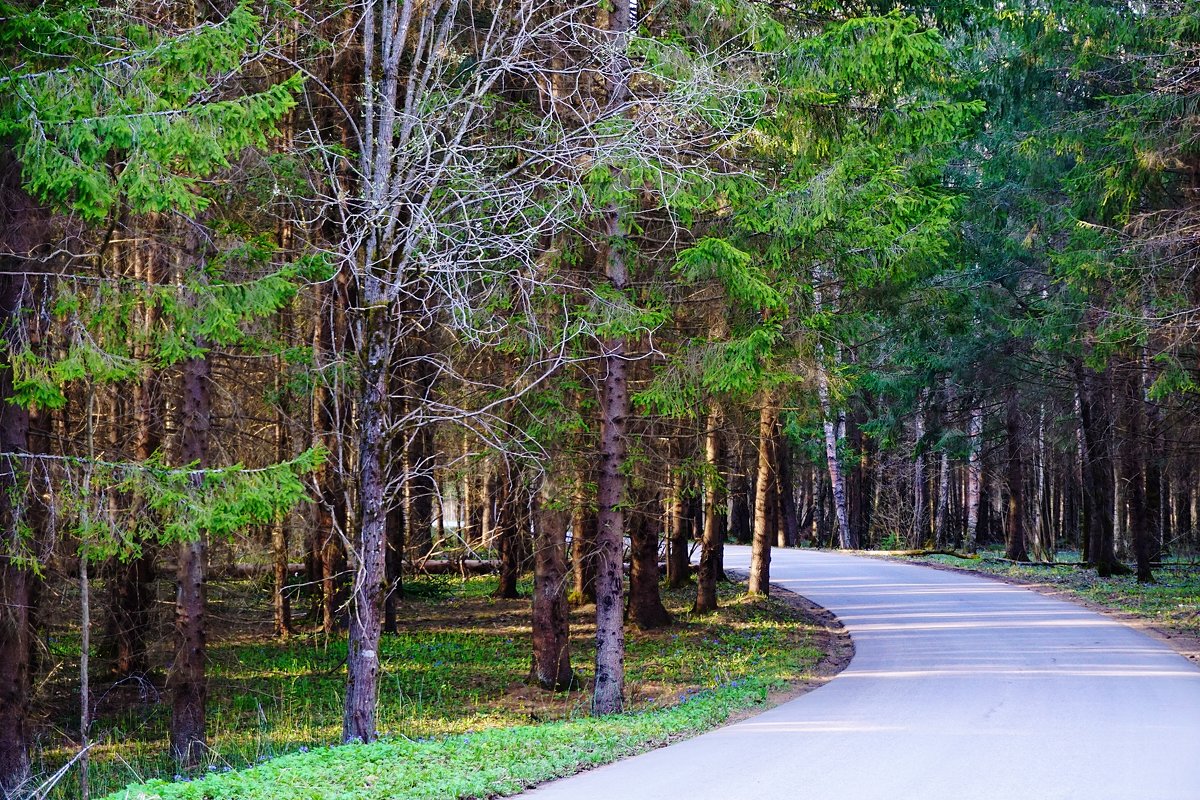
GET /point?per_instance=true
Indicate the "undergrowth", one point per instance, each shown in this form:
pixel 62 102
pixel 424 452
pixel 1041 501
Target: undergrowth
pixel 455 710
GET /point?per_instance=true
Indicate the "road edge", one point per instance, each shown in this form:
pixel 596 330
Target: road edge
pixel 1185 644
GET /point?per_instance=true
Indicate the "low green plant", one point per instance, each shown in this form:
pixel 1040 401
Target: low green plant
pixel 455 673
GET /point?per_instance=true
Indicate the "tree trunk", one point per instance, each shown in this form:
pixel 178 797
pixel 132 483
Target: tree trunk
pixel 422 490
pixel 974 474
pixel 279 531
pixel 920 528
pixel 741 529
pixel 1095 420
pixel 679 571
pixel 789 525
pixel 583 544
pixel 608 696
pixel 362 660
pixel 940 525
pixel 645 603
pixel 188 682
pixel 16 579
pixel 1014 534
pixel 765 500
pixel 714 523
pixel 1135 470
pixel 393 565
pixel 551 668
pixel 511 515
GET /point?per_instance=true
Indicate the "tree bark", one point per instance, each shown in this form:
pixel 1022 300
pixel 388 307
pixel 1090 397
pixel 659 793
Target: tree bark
pixel 765 500
pixel 645 606
pixel 1095 418
pixel 16 580
pixel 188 682
pixel 941 527
pixel 974 474
pixel 920 528
pixel 714 520
pixel 834 425
pixel 551 668
pixel 583 544
pixel 422 490
pixel 679 571
pixel 131 582
pixel 789 523
pixel 1014 534
pixel 1134 468
pixel 511 515
pixel 362 660
pixel 608 696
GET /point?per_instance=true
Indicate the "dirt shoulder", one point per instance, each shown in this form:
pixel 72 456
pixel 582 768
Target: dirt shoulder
pixel 832 639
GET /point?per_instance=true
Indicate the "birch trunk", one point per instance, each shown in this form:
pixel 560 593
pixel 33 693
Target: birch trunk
pixel 920 527
pixel 974 474
pixel 834 425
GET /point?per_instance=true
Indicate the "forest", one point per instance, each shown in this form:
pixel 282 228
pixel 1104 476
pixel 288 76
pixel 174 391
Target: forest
pixel 336 301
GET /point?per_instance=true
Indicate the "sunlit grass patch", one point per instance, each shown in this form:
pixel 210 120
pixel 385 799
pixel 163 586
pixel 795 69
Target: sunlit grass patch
pixel 455 673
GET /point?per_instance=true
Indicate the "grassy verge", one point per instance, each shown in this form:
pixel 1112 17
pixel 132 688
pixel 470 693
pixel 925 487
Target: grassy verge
pixel 1171 603
pixel 455 710
pixel 493 762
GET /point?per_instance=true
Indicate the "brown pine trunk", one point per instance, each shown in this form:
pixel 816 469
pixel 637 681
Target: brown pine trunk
pixel 645 603
pixel 1135 469
pixel 16 580
pixel 789 522
pixel 608 695
pixel 421 493
pixel 765 502
pixel 187 680
pixel 551 668
pixel 510 515
pixel 583 545
pixel 131 584
pixel 1096 423
pixel 362 660
pixel 712 542
pixel 679 569
pixel 741 525
pixel 393 565
pixel 281 604
pixel 1014 533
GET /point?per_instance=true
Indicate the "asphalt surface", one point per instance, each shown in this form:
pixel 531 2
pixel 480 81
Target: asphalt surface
pixel 960 688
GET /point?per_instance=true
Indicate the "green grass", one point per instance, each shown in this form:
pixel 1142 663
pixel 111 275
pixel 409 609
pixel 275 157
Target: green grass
pixel 1172 602
pixel 494 762
pixel 452 698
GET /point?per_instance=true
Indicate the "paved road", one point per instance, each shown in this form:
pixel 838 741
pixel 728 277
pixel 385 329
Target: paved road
pixel 961 688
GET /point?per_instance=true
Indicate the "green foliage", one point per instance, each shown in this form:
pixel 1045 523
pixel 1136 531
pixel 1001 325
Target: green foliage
pixel 135 118
pixel 180 504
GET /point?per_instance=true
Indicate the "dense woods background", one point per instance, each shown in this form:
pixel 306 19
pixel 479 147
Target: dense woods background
pixel 342 293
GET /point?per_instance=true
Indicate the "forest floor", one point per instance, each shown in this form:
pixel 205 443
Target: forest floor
pixel 1168 609
pixel 453 682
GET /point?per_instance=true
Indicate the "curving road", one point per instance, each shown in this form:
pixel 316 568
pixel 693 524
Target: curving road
pixel 961 688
